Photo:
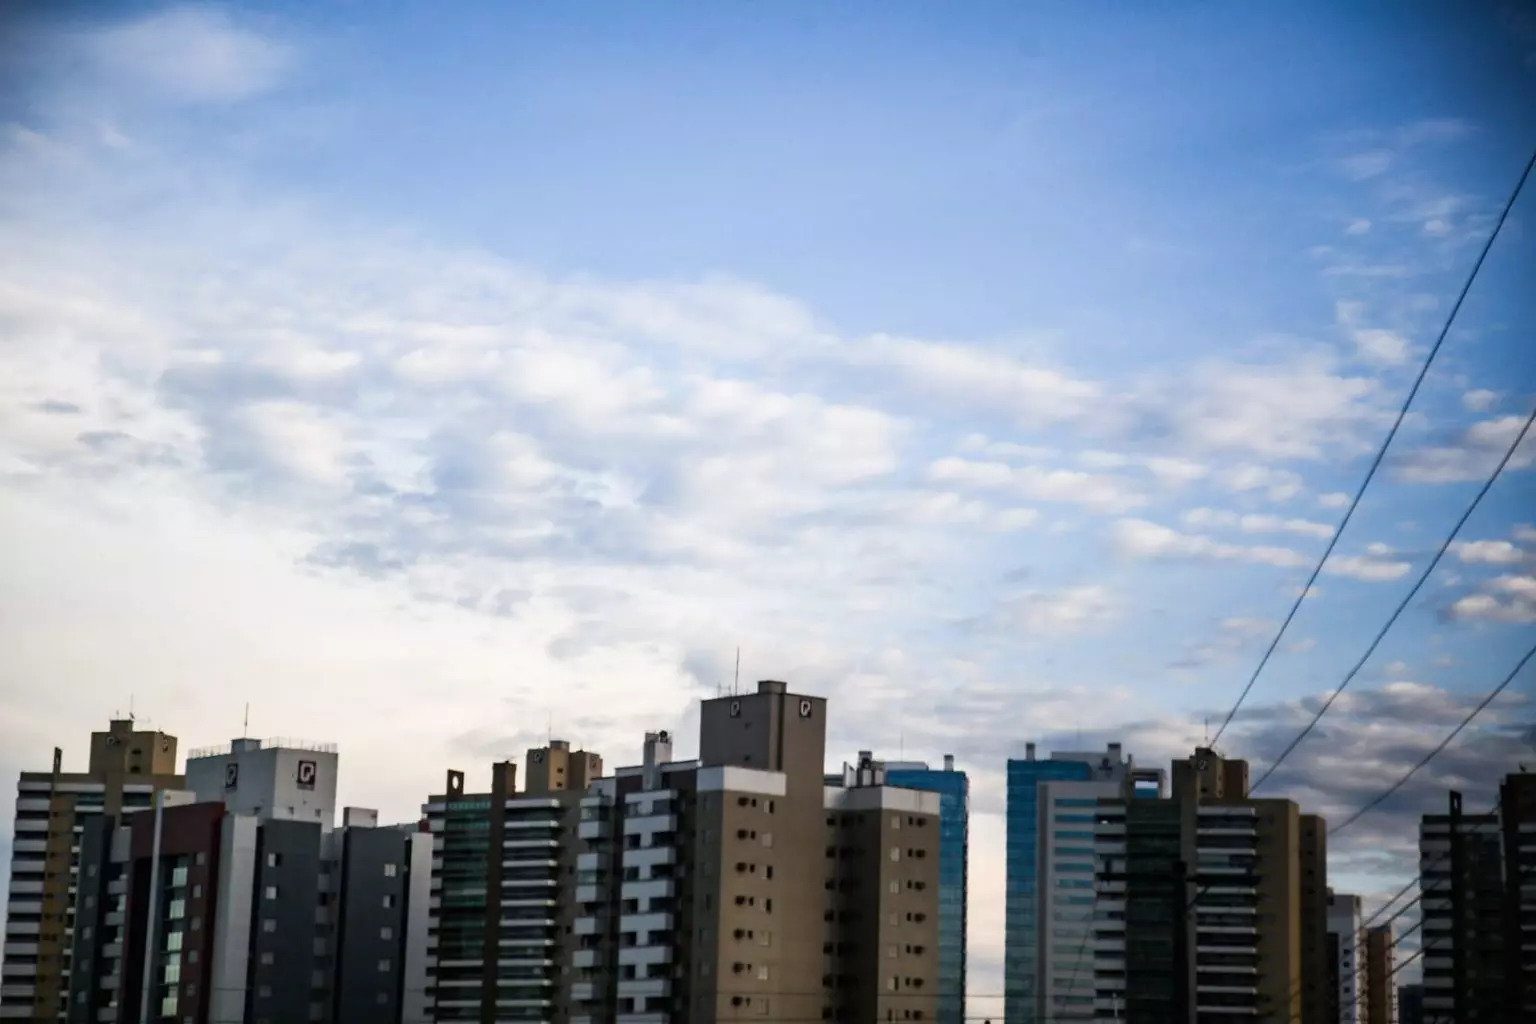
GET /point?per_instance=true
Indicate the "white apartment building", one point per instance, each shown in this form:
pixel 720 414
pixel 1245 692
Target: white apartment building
pixel 1346 943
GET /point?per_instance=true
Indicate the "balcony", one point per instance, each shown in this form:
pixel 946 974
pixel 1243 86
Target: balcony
pixel 586 958
pixel 588 893
pixel 638 955
pixel 650 823
pixel 583 991
pixel 650 856
pixel 659 921
pixel 647 988
pixel 593 831
pixel 589 925
pixel 653 888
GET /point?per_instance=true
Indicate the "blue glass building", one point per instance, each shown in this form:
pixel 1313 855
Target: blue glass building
pixel 1021 985
pixel 953 788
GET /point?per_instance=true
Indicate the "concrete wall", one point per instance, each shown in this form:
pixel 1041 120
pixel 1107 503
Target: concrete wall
pixel 269 782
pixel 371 925
pixel 285 902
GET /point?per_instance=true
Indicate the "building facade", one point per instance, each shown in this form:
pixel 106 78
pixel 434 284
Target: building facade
pixel 1053 810
pixel 1207 902
pixel 503 884
pixel 186 910
pixel 1380 964
pixel 127 767
pixel 1347 966
pixel 1479 908
pixel 953 788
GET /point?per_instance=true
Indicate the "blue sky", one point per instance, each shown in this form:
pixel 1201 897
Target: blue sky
pixel 995 370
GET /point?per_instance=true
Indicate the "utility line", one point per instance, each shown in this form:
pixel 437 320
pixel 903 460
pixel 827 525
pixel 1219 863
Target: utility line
pixel 1381 452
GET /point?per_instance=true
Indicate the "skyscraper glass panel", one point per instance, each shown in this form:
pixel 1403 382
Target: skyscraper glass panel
pixel 953 788
pixel 1021 964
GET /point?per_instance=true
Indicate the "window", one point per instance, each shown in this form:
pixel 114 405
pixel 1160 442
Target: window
pixel 391 870
pixel 389 902
pixel 268 925
pixel 274 860
pixel 383 966
pixel 895 853
pixel 386 934
pixel 895 886
pixel 762 973
pixel 266 959
pixel 200 858
pixel 270 893
pixel 264 992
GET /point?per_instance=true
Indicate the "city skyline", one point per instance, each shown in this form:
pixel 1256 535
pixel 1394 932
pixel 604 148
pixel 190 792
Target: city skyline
pixel 436 385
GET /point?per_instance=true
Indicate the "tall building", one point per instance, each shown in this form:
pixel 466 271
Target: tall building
pixel 1479 905
pixel 1346 958
pixel 193 912
pixel 747 885
pixel 1219 894
pixel 1410 1004
pixel 953 788
pixel 1048 960
pixel 1377 985
pixel 503 881
pixel 127 767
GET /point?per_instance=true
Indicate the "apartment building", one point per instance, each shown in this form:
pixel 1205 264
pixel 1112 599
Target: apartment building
pixel 1205 902
pixel 1347 966
pixel 747 885
pixel 1410 1004
pixel 1259 861
pixel 1376 986
pixel 953 788
pixel 502 883
pixel 193 912
pixel 126 767
pixel 1051 893
pixel 1479 908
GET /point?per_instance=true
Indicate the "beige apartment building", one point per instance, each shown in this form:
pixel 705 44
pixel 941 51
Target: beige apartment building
pixel 739 886
pixel 127 766
pixel 1260 932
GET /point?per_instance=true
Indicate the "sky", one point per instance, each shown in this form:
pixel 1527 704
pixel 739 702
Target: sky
pixel 436 381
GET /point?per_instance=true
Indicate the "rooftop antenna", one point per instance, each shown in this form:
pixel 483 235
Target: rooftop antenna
pixel 736 681
pixel 1207 742
pixel 549 728
pixel 130 708
pixel 245 723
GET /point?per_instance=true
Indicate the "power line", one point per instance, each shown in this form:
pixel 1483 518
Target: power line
pixel 1381 452
pixel 1492 694
pixel 1402 605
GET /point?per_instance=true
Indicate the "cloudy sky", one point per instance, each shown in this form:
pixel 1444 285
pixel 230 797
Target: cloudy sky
pixel 431 381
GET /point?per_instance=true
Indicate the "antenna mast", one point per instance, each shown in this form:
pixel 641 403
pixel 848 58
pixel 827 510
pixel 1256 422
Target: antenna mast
pixel 736 681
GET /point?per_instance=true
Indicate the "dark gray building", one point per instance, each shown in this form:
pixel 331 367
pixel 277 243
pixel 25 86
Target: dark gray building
pixel 228 917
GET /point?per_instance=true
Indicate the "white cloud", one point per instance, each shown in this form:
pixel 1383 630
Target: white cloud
pixel 1276 484
pixel 1372 344
pixel 1358 226
pixel 1510 599
pixel 1479 400
pixel 1375 567
pixel 1045 614
pixel 1295 409
pixel 1028 392
pixel 1366 165
pixel 1334 499
pixel 1095 491
pixel 188 54
pixel 1470 455
pixel 1205 518
pixel 1488 552
pixel 1138 538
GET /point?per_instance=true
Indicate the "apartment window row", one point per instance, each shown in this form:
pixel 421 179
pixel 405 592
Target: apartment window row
pixel 751 801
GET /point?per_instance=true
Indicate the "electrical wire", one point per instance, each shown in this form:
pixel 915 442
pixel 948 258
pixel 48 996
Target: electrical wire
pixel 1402 605
pixel 1381 452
